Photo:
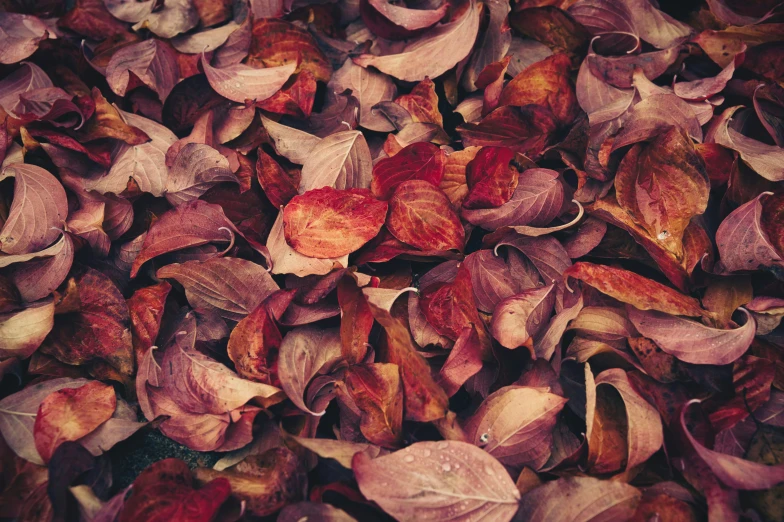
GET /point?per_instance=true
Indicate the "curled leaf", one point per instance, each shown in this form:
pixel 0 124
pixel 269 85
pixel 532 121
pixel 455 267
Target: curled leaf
pixel 694 342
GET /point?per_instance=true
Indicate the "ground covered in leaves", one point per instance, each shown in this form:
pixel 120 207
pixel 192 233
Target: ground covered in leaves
pixel 370 260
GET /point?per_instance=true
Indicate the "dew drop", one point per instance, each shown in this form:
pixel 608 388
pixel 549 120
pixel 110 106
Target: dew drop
pixel 663 235
pixel 457 466
pixel 442 445
pixel 484 438
pixel 426 453
pixel 489 470
pixel 408 458
pixel 446 467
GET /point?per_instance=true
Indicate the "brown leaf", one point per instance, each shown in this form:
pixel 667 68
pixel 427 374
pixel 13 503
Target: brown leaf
pixel 254 344
pixel 146 307
pixel 424 399
pixel 663 185
pixel 640 292
pixel 547 84
pixel 265 482
pixel 378 394
pixel 422 103
pixel 277 42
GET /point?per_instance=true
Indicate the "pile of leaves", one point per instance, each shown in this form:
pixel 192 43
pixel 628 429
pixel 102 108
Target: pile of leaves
pixel 375 260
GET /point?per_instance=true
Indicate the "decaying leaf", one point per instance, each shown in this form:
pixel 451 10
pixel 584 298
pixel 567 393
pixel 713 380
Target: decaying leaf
pixel 391 259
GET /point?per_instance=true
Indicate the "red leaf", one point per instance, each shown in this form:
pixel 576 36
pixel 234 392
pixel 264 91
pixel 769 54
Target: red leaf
pixel 422 161
pixel 420 215
pixel 164 492
pixel 325 223
pixel 98 330
pixel 640 292
pixel 146 307
pixel 490 177
pixel 378 394
pixel 526 130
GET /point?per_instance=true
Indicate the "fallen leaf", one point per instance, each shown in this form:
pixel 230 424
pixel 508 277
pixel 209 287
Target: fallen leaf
pixel 71 413
pixel 515 424
pixel 420 215
pixel 453 476
pixel 691 341
pixel 452 41
pixel 590 498
pixel 37 212
pixel 344 221
pixel 230 286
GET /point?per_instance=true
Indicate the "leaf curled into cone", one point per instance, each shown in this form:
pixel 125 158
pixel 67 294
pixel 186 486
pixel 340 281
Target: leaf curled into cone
pixel 326 222
pixel 694 342
pixel 518 318
pixel 421 216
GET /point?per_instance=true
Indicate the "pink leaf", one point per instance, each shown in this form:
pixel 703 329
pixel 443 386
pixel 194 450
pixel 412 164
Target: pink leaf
pixel 231 287
pixel 438 480
pixel 151 61
pixel 434 53
pixel 241 82
pixel 691 341
pixel 38 210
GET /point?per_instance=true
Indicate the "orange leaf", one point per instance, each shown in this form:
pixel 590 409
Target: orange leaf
pixel 70 414
pixel 327 222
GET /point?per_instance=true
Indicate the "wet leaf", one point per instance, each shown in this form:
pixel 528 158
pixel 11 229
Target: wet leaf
pixel 455 478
